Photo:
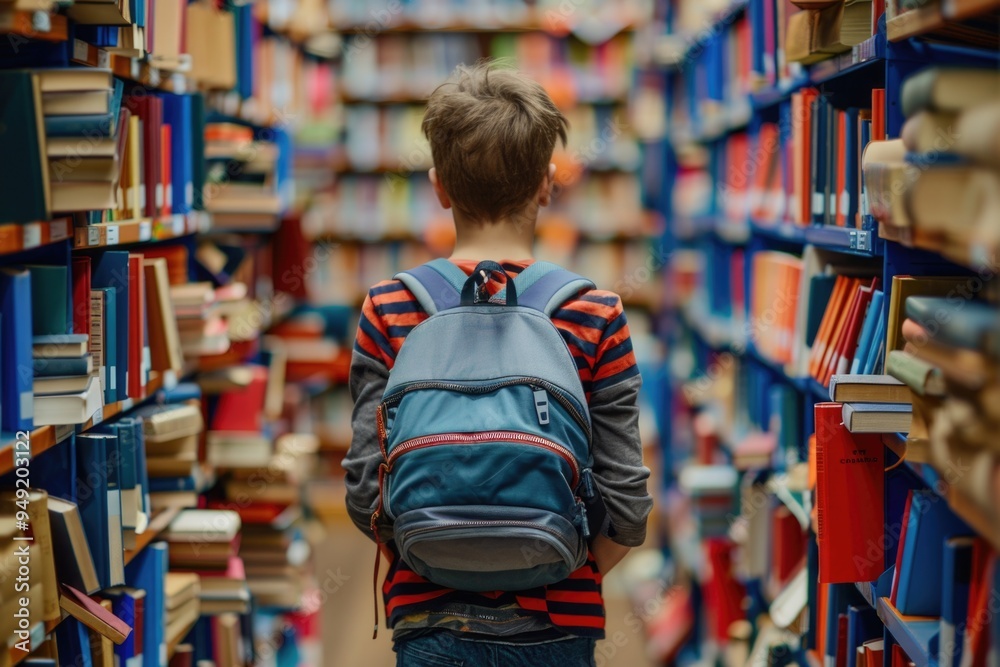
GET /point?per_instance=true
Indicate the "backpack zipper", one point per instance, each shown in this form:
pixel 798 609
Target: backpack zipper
pixel 485 524
pixel 485 389
pixel 479 438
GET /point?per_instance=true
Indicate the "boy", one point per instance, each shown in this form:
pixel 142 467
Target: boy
pixel 492 134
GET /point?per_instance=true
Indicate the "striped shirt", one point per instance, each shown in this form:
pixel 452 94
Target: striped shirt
pixel 594 327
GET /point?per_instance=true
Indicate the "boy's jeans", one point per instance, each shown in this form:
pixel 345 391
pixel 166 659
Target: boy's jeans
pixel 442 649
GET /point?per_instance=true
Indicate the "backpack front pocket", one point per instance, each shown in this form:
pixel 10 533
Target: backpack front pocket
pixel 488 548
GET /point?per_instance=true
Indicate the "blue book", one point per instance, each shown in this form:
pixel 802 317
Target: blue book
pixel 876 349
pixel 18 401
pixel 148 571
pixel 839 598
pixel 931 523
pixel 181 392
pixel 57 466
pixel 177 113
pixel 124 600
pixel 99 500
pixel 161 484
pixel 73 639
pixel 124 471
pixel 863 624
pixel 110 370
pixel 110 269
pixel 45 367
pixel 868 331
pixel 94 125
pixel 955 586
pixel 141 473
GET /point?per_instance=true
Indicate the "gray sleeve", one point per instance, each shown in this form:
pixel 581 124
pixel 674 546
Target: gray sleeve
pixel 618 467
pixel 368 380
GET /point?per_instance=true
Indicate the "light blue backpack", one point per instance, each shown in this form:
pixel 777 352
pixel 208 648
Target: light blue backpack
pixel 485 432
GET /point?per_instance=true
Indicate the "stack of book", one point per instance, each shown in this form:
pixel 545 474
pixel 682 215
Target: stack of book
pixel 245 181
pixel 713 493
pixel 171 434
pixel 182 592
pixel 201 329
pixel 817 34
pixel 206 542
pixel 947 149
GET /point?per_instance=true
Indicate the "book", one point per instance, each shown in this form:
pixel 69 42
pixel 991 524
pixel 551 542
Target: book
pixel 165 347
pixel 960 323
pixel 903 287
pixel 74 563
pixel 901 547
pixel 100 506
pixel 949 89
pixel 24 185
pixel 49 367
pixel 138 357
pixel 72 639
pixel 931 523
pixel 16 400
pixel 59 345
pixel 868 340
pixel 849 474
pixel 72 384
pixel 877 417
pixel 35 503
pixel 107 299
pixel 919 376
pixel 111 270
pixel 868 389
pixel 93 615
pixel 955 587
pixel 977 134
pixel 204 526
pixel 81 301
pixel 69 408
pixel 127 604
pixel 863 624
pixel 148 571
pixel 49 289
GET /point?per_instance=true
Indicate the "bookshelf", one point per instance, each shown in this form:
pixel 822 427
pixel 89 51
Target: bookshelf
pixel 726 83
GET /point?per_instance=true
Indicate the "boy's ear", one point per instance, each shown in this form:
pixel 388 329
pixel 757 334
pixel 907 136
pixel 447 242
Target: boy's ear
pixel 438 190
pixel 545 191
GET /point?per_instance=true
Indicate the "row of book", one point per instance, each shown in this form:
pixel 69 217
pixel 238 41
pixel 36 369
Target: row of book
pixel 390 139
pixel 371 207
pixel 947 150
pixel 409 67
pixel 486 14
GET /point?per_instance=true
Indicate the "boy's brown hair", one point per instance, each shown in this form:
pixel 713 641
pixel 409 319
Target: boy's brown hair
pixel 492 131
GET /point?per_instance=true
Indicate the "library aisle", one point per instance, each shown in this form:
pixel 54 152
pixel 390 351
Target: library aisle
pixel 798 202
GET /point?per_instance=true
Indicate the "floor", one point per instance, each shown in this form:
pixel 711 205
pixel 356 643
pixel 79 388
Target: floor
pixel 344 572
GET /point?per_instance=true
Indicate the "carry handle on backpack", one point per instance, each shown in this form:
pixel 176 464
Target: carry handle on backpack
pixel 474 285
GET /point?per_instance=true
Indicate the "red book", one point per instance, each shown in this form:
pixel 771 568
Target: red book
pixel 177 261
pixel 878 114
pixel 724 593
pixel 850 487
pixel 136 327
pixel 241 410
pixel 900 549
pixel 789 542
pixel 81 294
pixel 90 612
pixel 977 634
pixel 839 330
pixel 842 640
pixel 878 10
pixel 140 620
pixel 165 166
pixel 899 657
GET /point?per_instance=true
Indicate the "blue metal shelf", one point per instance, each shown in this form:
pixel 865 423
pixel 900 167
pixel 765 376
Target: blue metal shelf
pixel 913 634
pixel 864 242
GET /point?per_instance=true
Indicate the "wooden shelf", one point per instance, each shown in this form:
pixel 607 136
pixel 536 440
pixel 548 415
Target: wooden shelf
pixel 533 24
pixel 138 70
pixel 36 25
pixel 17 237
pixel 18 656
pixel 42 439
pixel 142 230
pixel 157 524
pixel 932 20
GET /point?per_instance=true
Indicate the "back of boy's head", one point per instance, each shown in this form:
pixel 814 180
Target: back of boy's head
pixel 492 131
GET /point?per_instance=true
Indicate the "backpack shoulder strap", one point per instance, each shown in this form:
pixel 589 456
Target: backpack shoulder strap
pixel 545 286
pixel 437 285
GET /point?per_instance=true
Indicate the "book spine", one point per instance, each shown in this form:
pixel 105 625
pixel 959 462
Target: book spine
pixel 97 339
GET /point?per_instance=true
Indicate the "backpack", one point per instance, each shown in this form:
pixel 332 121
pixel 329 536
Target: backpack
pixel 485 433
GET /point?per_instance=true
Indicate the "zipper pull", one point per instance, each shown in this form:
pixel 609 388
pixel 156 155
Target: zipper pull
pixel 542 406
pixel 587 483
pixel 378 559
pixel 584 523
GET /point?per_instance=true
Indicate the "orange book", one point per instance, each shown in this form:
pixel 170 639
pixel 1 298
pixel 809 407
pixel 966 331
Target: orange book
pixel 840 199
pixel 873 652
pixel 801 137
pixel 790 297
pixel 827 323
pixel 822 592
pixel 849 340
pixel 842 316
pixel 878 114
pixel 850 486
